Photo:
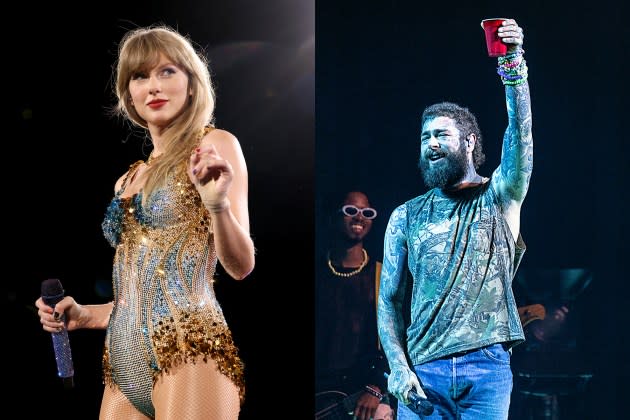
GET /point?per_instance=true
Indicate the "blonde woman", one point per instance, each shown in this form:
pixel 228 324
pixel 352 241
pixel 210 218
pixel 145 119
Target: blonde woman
pixel 169 353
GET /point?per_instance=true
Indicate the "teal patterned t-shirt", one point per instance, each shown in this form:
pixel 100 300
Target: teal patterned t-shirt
pixel 462 257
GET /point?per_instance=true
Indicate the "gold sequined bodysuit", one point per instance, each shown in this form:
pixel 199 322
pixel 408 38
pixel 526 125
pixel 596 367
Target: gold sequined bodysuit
pixel 165 310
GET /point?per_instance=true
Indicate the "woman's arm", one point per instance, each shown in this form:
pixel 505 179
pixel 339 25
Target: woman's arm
pixel 219 172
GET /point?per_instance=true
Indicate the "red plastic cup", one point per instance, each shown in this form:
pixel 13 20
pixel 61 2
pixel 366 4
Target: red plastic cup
pixel 496 47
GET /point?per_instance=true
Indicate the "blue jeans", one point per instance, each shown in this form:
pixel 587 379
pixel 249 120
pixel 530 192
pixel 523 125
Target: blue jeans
pixel 473 385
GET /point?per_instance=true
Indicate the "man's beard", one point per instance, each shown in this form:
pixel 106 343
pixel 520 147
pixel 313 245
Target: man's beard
pixel 446 172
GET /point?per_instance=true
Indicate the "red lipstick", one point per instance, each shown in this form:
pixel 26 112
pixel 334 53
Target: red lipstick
pixel 157 103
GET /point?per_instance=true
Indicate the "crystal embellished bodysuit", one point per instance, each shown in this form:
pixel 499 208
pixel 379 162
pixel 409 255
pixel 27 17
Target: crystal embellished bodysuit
pixel 165 310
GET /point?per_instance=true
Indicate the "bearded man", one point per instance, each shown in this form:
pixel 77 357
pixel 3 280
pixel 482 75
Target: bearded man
pixel 461 244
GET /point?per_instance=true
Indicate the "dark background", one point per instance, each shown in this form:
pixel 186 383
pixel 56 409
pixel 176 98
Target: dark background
pixel 379 64
pixel 67 152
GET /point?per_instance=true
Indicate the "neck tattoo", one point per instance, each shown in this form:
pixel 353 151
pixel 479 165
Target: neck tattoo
pixel 352 273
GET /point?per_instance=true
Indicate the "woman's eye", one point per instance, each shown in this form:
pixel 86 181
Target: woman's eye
pixel 167 71
pixel 137 76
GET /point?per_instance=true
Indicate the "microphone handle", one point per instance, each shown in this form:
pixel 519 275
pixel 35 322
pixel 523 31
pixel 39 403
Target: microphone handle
pixel 63 355
pixel 61 346
pixel 419 405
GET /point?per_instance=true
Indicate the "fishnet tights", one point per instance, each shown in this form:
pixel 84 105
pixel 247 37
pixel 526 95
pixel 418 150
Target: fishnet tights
pixel 188 392
pixel 115 406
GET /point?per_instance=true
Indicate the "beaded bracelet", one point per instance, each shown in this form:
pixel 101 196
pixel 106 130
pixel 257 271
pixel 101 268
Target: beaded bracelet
pixel 511 56
pixel 513 78
pixel 512 68
pixel 374 392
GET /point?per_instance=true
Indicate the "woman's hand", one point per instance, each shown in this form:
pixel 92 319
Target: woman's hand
pixel 66 312
pixel 212 176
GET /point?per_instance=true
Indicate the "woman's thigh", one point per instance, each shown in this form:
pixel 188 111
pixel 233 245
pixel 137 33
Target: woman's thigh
pixel 116 406
pixel 195 391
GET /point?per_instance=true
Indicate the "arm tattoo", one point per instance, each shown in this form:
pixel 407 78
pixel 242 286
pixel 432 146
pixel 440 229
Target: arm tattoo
pixel 391 293
pixel 517 154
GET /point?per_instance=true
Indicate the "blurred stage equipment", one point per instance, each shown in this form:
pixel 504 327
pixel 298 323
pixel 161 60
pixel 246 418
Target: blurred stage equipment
pixel 551 366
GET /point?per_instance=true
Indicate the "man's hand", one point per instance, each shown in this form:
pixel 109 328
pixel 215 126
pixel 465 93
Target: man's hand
pixel 401 380
pixel 511 34
pixel 366 406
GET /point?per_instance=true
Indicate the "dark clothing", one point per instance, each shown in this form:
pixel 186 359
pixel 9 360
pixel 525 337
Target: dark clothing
pixel 347 355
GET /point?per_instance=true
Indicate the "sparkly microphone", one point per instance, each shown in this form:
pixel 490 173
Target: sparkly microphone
pixel 52 293
pixel 419 405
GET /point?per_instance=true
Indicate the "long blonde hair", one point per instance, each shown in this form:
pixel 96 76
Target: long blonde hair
pixel 139 50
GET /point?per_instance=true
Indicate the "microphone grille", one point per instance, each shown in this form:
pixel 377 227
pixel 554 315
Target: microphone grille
pixel 52 287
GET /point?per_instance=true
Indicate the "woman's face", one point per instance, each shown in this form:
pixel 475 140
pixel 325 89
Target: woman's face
pixel 160 94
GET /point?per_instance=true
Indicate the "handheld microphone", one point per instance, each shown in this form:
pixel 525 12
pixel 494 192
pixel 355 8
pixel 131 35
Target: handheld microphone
pixel 419 405
pixel 52 293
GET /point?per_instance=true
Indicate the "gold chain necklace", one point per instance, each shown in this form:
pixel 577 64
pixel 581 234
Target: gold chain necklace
pixel 352 273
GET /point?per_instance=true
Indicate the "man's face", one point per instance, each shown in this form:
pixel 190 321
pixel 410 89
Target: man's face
pixel 356 227
pixel 443 159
